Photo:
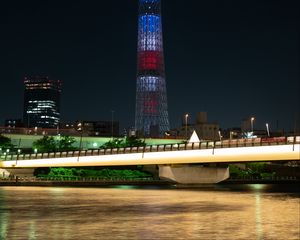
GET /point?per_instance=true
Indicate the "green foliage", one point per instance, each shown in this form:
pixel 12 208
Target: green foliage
pixel 124 142
pixel 237 172
pixel 65 143
pixel 5 142
pixel 45 144
pixel 114 143
pixel 256 167
pixel 110 174
pixel 134 142
pixel 50 144
pixel 267 175
pixel 252 170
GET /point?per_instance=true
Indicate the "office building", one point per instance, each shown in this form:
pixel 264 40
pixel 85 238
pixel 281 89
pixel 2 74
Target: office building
pixel 41 102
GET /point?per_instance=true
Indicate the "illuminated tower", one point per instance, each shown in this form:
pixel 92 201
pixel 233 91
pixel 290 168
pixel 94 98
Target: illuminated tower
pixel 151 117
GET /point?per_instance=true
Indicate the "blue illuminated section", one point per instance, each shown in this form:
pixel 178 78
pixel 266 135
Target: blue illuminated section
pixel 150 33
pixel 150 23
pixel 149 1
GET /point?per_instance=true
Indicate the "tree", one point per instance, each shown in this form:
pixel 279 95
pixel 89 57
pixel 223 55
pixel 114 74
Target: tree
pixel 65 143
pixel 45 144
pixel 5 142
pixel 134 142
pixel 114 143
pixel 126 142
pixel 49 144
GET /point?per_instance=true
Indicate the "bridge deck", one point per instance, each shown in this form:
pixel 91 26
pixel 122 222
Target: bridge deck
pixel 241 150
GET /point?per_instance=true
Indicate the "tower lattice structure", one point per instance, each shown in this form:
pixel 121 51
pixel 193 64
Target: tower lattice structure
pixel 151 96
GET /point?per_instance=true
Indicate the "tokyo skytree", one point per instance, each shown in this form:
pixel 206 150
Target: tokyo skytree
pixel 151 96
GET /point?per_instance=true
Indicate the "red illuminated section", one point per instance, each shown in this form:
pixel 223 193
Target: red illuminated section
pixel 151 105
pixel 150 60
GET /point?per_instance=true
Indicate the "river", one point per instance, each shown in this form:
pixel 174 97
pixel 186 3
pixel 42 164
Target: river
pixel 209 212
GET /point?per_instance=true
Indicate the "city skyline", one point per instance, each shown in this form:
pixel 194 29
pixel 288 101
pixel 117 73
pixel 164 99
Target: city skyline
pixel 234 60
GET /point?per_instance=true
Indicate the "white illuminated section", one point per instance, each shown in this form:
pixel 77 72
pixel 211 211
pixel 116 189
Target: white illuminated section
pixel 149 83
pixel 219 155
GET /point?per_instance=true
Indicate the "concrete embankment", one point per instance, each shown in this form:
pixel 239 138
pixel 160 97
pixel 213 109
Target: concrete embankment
pixel 262 181
pixel 158 183
pixel 83 183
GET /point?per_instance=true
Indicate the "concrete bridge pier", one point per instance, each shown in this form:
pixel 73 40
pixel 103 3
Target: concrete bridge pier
pixel 193 174
pixel 20 172
pixel 4 174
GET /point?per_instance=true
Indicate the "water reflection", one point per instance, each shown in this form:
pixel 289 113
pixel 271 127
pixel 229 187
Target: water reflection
pixel 126 213
pixel 3 225
pixel 259 230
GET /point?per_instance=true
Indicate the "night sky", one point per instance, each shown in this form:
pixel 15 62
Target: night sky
pixel 233 59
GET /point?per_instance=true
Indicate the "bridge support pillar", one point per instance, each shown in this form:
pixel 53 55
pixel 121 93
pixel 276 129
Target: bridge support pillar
pixel 4 173
pixel 20 172
pixel 193 174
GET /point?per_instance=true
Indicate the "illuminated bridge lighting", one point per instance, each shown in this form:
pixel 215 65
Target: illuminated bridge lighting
pixel 161 154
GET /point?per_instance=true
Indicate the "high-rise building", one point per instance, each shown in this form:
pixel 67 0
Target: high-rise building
pixel 41 102
pixel 151 96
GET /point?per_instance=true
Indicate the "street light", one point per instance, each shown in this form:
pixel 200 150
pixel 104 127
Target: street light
pixel 231 134
pixel 252 120
pixel 186 120
pixel 220 136
pixel 268 130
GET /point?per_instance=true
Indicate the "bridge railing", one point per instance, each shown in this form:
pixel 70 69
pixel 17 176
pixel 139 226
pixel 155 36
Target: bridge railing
pixel 158 148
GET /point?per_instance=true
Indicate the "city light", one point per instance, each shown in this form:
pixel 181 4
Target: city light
pixel 252 120
pixel 186 122
pixel 268 130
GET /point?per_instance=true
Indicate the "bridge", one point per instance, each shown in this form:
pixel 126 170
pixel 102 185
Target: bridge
pixel 174 160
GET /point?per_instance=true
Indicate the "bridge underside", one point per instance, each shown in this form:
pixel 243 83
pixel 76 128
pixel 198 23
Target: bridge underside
pixel 186 174
pixel 182 174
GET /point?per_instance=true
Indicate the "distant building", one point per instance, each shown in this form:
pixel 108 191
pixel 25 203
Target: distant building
pixel 246 125
pixel 13 123
pixel 41 102
pixel 204 129
pixel 67 125
pixel 98 128
pixel 232 133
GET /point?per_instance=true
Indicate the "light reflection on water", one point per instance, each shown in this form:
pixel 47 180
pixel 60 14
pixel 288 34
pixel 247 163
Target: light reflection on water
pixel 221 212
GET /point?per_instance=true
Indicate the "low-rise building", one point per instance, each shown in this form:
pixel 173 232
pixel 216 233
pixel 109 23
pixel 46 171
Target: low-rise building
pixel 204 129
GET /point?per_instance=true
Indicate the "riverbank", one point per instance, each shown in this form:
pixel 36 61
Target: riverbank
pixel 262 181
pixel 103 183
pixel 86 183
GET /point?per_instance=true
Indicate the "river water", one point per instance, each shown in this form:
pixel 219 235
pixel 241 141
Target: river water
pixel 215 212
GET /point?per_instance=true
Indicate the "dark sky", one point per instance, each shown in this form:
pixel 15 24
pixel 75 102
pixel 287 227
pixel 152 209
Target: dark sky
pixel 233 59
